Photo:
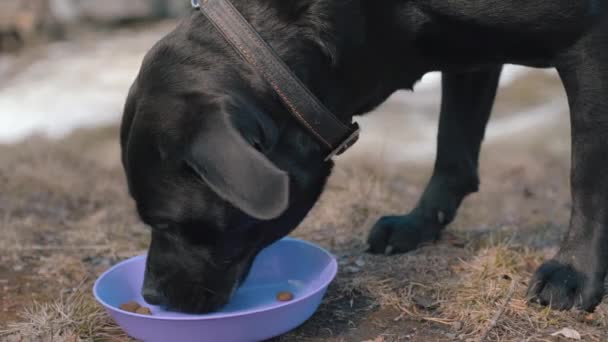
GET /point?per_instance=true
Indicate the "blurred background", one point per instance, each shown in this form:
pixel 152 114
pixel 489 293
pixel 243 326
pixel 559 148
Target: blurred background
pixel 67 64
pixel 65 215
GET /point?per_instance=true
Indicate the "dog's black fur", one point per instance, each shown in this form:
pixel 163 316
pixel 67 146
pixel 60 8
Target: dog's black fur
pixel 219 170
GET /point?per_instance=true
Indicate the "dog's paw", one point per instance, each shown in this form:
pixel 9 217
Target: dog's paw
pixel 562 287
pixel 401 234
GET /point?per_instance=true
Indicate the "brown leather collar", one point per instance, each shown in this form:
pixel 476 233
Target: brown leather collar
pixel 301 102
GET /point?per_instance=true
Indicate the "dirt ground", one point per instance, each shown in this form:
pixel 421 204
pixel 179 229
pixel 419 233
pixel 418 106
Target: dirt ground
pixel 65 217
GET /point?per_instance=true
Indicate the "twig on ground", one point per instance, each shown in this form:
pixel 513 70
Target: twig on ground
pixel 500 312
pixel 424 318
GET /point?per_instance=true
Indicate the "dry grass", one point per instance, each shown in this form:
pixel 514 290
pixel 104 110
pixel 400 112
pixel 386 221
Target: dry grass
pixel 65 215
pixel 73 317
pixel 61 221
pixel 482 290
pixel 62 227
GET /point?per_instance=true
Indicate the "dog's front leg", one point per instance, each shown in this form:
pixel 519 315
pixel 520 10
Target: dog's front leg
pixel 466 106
pixel 575 277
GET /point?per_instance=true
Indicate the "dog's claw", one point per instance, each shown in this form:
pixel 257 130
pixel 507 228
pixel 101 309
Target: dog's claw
pixel 562 286
pixel 441 217
pixel 389 250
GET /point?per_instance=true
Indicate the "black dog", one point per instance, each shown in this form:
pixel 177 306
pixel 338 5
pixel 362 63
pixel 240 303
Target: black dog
pixel 219 170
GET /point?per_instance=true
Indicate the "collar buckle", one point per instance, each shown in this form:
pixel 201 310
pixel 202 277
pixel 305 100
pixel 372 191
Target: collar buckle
pixel 346 143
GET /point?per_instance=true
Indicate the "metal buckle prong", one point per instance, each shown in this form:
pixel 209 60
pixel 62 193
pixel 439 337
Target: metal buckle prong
pixel 347 143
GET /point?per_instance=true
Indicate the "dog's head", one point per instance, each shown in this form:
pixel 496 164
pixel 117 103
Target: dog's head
pixel 216 183
pixel 217 167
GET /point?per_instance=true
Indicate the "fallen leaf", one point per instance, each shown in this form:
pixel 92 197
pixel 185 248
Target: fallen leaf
pixel 568 333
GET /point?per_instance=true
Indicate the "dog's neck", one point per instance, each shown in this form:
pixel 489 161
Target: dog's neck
pixel 347 52
pixel 353 54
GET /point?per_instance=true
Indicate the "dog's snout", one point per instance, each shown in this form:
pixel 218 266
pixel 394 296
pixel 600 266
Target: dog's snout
pixel 152 296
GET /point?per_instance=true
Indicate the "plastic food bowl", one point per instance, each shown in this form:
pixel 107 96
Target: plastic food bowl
pixel 253 314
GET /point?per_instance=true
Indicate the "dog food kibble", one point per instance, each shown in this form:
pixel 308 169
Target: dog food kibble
pixel 130 306
pixel 134 307
pixel 285 296
pixel 144 311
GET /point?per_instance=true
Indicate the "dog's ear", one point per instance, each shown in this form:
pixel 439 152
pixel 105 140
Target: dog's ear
pixel 236 171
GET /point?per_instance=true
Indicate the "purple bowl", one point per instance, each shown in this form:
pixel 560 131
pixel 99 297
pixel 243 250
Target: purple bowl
pixel 253 314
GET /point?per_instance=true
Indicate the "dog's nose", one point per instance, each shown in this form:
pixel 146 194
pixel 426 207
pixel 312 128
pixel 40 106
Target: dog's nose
pixel 152 296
